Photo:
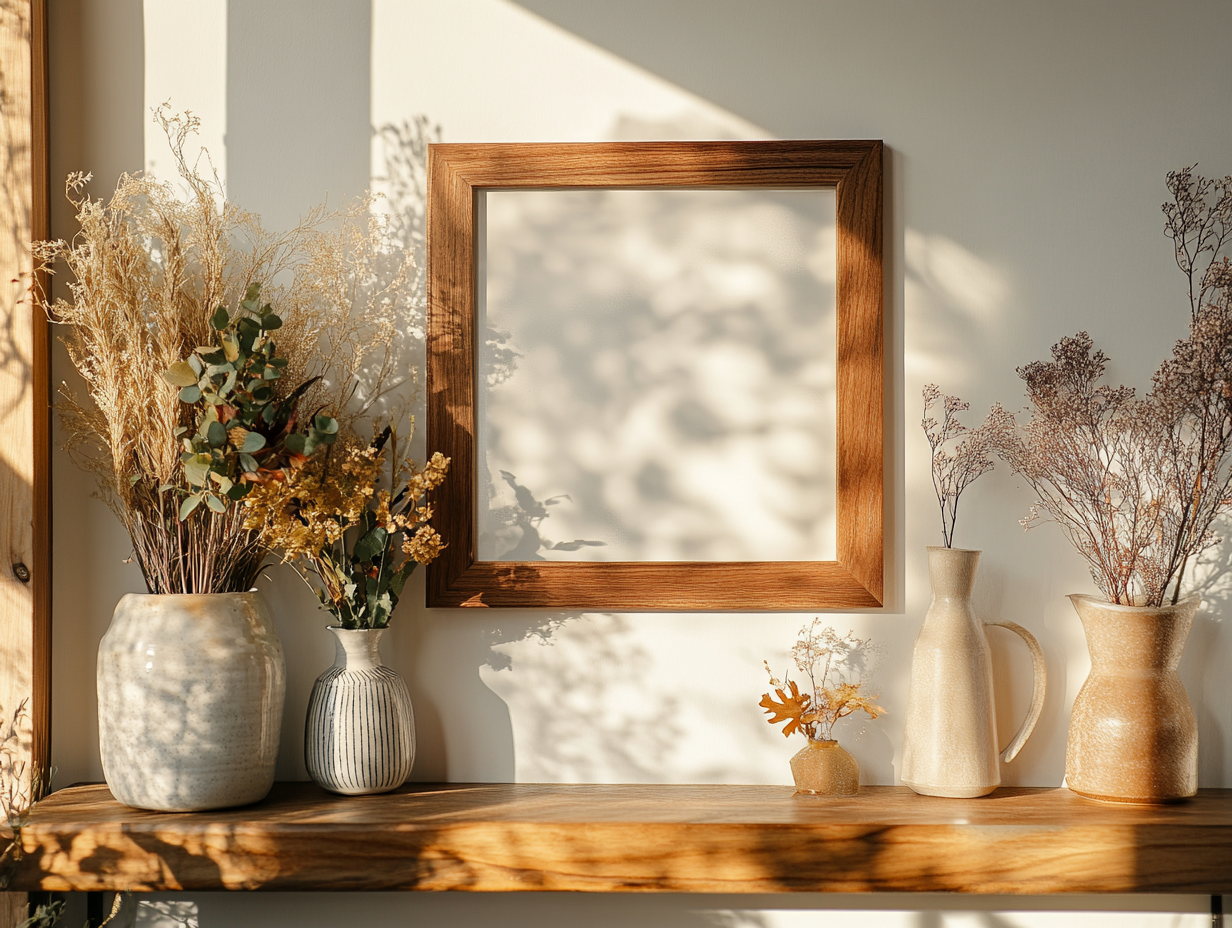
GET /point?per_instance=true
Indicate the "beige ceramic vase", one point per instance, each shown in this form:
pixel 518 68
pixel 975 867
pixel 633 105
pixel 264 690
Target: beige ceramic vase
pixel 1133 736
pixel 825 768
pixel 950 738
pixel 190 693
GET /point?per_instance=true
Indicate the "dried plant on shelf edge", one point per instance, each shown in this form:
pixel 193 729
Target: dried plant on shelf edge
pixel 953 471
pixel 22 784
pixel 149 270
pixel 1136 484
pixel 835 688
pixel 47 915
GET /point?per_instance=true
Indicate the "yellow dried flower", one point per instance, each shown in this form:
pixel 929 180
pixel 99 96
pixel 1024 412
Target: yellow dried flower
pixel 424 546
pixel 341 517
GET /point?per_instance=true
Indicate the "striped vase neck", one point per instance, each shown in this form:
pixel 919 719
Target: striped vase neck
pixel 357 648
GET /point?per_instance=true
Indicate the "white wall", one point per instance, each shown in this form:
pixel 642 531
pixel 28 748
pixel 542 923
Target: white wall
pixel 1027 149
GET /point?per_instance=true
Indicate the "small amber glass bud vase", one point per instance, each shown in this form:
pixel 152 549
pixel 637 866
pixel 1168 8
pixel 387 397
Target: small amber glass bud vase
pixel 825 768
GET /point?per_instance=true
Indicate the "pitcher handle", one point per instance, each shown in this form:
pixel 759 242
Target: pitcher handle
pixel 1037 692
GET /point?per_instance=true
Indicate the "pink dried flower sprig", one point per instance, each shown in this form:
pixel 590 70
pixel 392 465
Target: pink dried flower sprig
pixel 954 470
pixel 1092 454
pixel 1136 484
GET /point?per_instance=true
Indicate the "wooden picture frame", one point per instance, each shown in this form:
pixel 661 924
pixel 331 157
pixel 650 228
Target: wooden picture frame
pixel 458 175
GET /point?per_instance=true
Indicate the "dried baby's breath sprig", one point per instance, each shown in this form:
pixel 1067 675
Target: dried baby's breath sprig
pixel 146 273
pixel 1090 452
pixel 1198 219
pixel 1137 483
pixel 953 471
pixel 834 665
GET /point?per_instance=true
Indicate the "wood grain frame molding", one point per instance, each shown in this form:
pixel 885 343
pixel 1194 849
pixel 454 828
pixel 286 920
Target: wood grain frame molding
pixel 458 176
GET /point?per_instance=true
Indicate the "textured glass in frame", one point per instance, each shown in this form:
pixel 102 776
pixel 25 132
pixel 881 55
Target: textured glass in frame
pixel 656 375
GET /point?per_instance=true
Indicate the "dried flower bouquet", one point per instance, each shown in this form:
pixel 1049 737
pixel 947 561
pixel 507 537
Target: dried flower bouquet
pixel 833 664
pixel 1136 483
pixel 355 523
pixel 157 302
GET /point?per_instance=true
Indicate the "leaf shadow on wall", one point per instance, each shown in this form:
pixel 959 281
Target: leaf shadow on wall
pixel 463 729
pixel 581 707
pixel 674 375
pixel 499 699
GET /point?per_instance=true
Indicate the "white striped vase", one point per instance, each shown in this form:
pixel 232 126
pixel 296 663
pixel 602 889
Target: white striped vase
pixel 360 733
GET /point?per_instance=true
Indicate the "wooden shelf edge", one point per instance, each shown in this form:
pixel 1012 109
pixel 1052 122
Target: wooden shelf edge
pixel 592 838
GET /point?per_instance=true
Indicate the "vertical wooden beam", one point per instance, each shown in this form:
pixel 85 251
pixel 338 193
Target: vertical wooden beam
pixel 13 909
pixel 40 228
pixel 25 472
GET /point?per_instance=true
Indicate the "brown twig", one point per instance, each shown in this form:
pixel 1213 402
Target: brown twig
pixel 954 471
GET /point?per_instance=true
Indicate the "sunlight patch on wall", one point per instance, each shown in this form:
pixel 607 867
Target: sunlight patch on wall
pixel 186 65
pixel 948 290
pixel 660 379
pixel 522 78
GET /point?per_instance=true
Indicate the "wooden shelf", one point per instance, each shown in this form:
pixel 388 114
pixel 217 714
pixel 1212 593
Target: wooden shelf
pixel 724 839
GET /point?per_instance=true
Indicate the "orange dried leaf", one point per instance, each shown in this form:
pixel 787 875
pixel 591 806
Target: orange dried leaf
pixel 789 709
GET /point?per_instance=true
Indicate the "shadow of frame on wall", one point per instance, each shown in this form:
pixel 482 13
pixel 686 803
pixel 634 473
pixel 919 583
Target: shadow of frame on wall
pixel 458 177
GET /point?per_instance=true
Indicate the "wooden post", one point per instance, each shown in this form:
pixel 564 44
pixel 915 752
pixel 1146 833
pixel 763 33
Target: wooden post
pixel 25 472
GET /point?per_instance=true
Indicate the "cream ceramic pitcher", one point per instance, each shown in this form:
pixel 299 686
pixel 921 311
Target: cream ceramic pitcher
pixel 950 740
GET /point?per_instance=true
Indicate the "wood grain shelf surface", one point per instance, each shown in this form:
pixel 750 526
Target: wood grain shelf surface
pixel 639 838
